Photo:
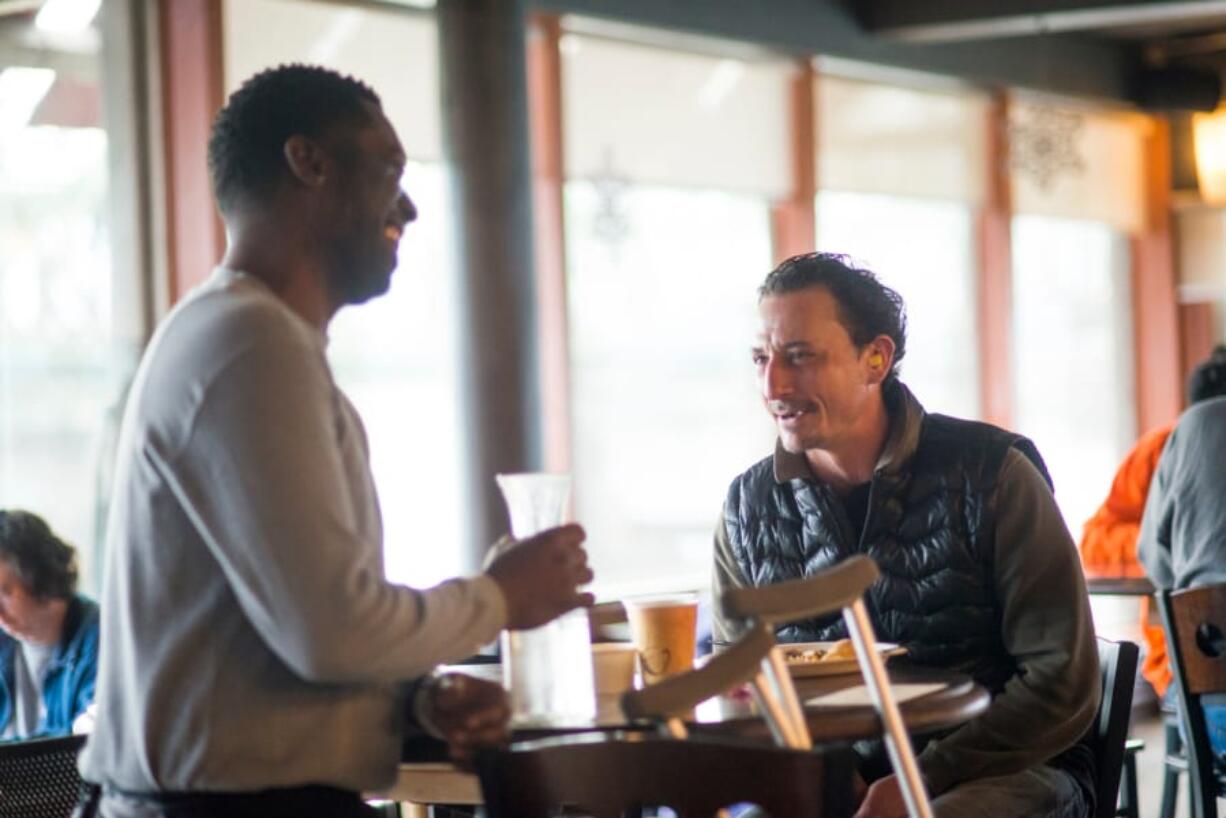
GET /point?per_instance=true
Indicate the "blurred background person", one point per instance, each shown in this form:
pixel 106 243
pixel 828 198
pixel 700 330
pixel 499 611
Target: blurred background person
pixel 49 645
pixel 1109 540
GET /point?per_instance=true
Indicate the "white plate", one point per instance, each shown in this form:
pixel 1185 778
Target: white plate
pixel 832 668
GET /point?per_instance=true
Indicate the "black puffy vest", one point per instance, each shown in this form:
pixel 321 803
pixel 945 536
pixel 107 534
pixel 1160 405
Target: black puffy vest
pixel 930 527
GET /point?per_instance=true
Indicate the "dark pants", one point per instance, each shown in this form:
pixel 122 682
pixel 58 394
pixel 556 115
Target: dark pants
pixel 296 802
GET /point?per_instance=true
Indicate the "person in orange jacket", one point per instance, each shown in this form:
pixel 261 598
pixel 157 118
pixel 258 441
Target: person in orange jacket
pixel 1109 540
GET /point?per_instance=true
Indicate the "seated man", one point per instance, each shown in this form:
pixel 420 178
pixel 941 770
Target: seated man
pixel 979 573
pixel 49 649
pixel 1109 540
pixel 1184 525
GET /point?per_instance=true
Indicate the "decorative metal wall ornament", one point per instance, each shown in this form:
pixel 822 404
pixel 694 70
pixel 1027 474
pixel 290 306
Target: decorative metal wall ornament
pixel 611 224
pixel 1044 143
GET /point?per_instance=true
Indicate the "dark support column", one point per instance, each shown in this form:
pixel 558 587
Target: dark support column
pixel 485 133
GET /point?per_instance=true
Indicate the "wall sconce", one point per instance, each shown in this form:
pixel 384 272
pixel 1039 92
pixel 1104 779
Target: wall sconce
pixel 1209 140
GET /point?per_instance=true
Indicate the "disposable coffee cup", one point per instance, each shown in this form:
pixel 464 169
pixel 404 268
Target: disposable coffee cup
pixel 613 666
pixel 664 629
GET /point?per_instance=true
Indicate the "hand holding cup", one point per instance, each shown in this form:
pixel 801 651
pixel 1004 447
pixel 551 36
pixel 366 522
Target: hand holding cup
pixel 540 576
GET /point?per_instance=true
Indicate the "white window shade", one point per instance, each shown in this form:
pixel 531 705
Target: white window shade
pixel 875 138
pixel 649 116
pixel 1096 167
pixel 396 52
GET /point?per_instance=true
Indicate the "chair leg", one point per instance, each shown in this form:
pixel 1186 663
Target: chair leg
pixel 1128 806
pixel 1170 770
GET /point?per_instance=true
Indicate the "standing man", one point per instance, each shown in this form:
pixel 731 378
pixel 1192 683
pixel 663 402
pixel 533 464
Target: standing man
pixel 978 571
pixel 255 658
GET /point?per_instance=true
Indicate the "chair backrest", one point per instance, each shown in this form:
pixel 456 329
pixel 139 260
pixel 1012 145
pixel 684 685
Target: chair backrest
pixel 1118 664
pixel 607 777
pixel 1195 625
pixel 38 778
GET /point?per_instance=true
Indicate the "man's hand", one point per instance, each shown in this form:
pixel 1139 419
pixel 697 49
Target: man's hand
pixel 540 577
pixel 468 713
pixel 883 800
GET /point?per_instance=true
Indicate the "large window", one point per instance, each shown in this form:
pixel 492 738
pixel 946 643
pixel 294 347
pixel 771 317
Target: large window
pixel 1072 361
pixel 900 173
pixel 928 260
pixel 395 357
pixel 62 361
pixel 672 159
pixel 665 406
pixel 1072 331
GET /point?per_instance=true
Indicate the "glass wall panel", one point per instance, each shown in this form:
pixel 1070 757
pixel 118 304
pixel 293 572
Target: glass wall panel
pixel 900 173
pixel 923 249
pixel 64 353
pixel 665 408
pixel 1072 354
pixel 672 158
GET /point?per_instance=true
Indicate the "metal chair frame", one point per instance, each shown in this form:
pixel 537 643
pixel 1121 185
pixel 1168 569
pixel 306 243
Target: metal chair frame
pixel 38 778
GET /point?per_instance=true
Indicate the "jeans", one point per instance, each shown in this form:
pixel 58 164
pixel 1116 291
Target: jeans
pixel 1215 724
pixel 1039 792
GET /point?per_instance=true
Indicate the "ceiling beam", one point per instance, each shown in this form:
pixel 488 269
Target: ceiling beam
pixel 1075 65
pixel 930 21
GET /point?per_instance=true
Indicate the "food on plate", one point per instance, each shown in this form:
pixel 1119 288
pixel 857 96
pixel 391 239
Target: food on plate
pixel 840 651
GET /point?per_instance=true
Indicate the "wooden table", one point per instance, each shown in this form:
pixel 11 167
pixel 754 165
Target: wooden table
pixel 429 781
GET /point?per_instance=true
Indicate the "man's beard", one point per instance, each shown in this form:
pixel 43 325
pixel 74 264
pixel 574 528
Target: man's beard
pixel 356 277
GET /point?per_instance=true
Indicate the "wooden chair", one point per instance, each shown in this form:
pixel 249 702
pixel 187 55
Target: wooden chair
pixel 607 777
pixel 1195 625
pixel 38 778
pixel 1106 737
pixel 840 587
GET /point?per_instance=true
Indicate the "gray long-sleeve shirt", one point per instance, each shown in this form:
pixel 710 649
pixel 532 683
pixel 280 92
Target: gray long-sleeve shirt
pixel 1182 542
pixel 1045 624
pixel 249 637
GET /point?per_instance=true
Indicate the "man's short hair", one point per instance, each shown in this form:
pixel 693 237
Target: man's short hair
pixel 867 308
pixel 1208 380
pixel 246 148
pixel 44 563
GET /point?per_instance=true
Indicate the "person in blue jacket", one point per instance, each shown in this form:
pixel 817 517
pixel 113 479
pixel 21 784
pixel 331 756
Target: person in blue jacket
pixel 49 644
